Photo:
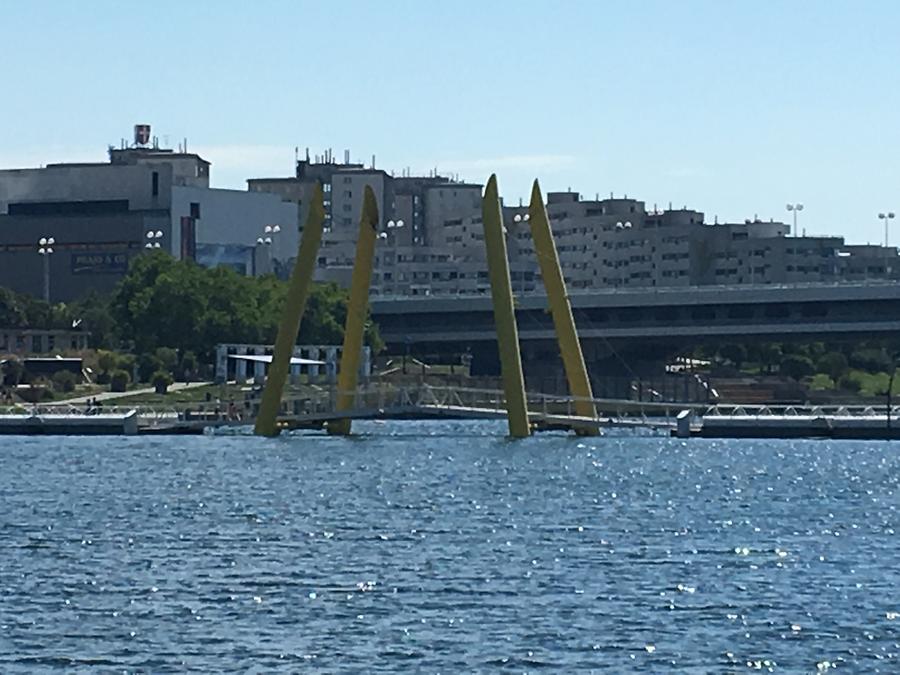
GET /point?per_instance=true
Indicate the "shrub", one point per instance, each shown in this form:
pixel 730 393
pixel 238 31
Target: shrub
pixel 849 382
pixel 161 381
pixel 188 366
pixel 107 361
pixel 871 360
pixel 65 381
pixel 797 367
pixel 35 394
pixel 833 364
pixel 821 382
pixel 167 357
pixel 11 372
pixel 118 380
pixel 148 364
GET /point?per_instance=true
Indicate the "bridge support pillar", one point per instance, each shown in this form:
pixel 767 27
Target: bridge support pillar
pixel 298 293
pixel 357 312
pixel 561 310
pixel 504 312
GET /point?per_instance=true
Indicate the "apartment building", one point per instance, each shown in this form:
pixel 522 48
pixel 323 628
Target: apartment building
pixel 412 212
pixel 619 243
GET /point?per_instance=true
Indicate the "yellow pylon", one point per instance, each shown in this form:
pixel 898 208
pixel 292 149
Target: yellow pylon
pixel 504 312
pixel 561 310
pixel 298 293
pixel 357 311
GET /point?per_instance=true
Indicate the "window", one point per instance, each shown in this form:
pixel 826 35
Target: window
pixel 154 184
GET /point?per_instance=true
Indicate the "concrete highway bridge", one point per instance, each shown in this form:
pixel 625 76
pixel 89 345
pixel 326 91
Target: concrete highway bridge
pixel 646 321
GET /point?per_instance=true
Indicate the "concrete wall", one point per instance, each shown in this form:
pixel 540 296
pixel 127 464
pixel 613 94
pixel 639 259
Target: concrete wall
pixel 91 252
pixel 87 183
pixel 236 217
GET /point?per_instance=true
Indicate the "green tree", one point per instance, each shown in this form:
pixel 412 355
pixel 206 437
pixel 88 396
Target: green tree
pixel 118 380
pixel 12 314
pixel 164 303
pixel 797 367
pixel 161 380
pixel 833 364
pixel 65 381
pixel 871 359
pixel 735 353
pixel 821 382
pixel 766 354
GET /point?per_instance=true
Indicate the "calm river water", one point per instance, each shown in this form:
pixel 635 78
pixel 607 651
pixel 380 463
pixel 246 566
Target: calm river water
pixel 443 548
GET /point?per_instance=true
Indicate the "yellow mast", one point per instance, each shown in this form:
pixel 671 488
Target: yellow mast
pixel 357 311
pixel 298 293
pixel 561 310
pixel 504 312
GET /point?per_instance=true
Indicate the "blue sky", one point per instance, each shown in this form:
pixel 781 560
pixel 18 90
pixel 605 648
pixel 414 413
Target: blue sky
pixel 733 108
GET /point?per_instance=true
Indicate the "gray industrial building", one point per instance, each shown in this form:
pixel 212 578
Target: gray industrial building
pixel 432 243
pixel 102 215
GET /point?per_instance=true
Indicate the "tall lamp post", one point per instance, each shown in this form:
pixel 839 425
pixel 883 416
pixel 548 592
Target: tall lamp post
pixel 886 217
pixel 45 250
pixel 391 238
pixel 267 241
pixel 521 218
pixel 795 209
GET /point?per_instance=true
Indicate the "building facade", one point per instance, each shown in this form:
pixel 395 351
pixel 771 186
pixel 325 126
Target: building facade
pixel 412 211
pixel 618 243
pixel 102 215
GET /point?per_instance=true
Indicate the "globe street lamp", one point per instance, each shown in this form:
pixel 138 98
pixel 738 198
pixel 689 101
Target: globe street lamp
pixel 886 217
pixel 267 240
pixel 795 209
pixel 153 238
pixel 268 231
pixel 45 250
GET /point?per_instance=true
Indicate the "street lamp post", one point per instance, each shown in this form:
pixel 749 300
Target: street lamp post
pixel 795 209
pixel 391 238
pixel 889 215
pixel 45 250
pixel 523 218
pixel 267 241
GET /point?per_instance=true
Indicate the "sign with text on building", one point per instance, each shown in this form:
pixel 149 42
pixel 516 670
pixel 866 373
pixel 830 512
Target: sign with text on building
pixel 99 263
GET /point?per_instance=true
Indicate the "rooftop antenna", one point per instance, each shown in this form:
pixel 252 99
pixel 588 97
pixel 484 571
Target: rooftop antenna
pixel 296 154
pixel 347 156
pixel 307 153
pixel 185 144
pixel 373 161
